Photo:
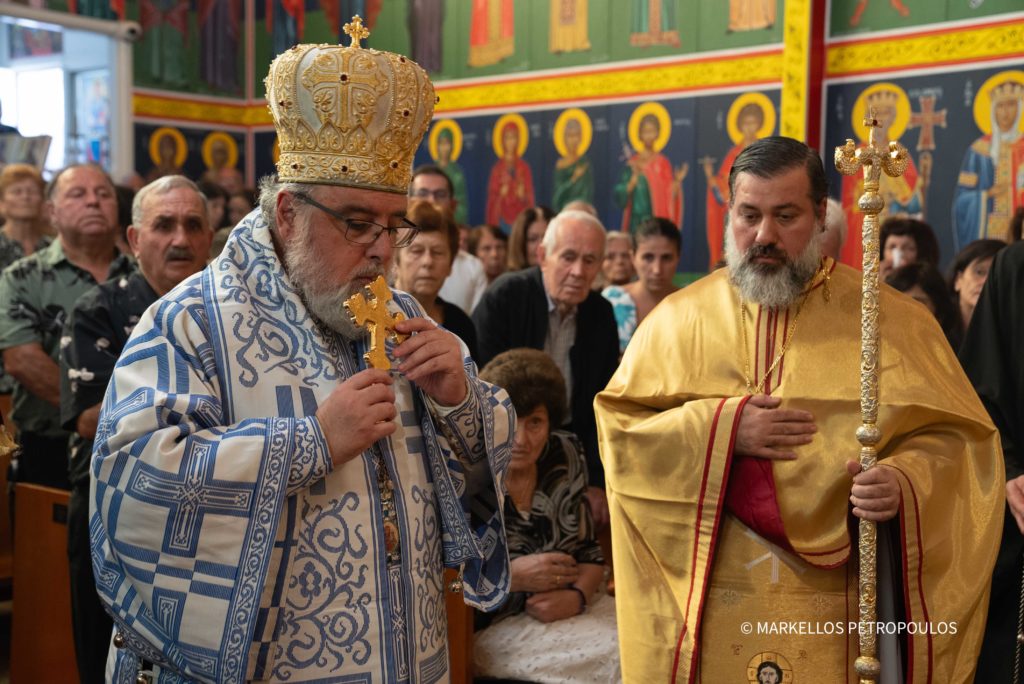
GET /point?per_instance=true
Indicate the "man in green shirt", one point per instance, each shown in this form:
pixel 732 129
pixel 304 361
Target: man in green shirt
pixel 35 295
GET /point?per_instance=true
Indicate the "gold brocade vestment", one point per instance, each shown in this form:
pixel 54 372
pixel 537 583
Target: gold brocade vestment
pixel 682 539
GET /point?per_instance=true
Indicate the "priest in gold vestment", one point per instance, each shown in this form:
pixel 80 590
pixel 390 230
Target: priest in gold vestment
pixel 728 440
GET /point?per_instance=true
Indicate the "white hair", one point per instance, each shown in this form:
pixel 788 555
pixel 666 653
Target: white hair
pixel 550 241
pixel 619 236
pixel 580 205
pixel 270 188
pixel 835 220
pixel 162 186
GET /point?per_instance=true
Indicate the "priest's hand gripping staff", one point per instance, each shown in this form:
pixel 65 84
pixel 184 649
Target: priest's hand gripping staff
pixel 874 161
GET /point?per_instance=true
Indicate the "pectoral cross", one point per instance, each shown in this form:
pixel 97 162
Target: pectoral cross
pixel 373 314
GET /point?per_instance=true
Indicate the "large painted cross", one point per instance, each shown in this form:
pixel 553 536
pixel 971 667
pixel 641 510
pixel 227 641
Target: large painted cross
pixel 190 494
pixel 373 314
pixel 927 119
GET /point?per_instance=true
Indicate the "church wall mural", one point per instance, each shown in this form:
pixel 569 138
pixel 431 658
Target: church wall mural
pixel 198 153
pixel 961 180
pixel 491 37
pixel 191 77
pixel 851 17
pixel 631 160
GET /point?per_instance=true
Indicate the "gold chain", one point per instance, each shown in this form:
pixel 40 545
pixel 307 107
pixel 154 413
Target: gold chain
pixel 751 388
pixel 826 294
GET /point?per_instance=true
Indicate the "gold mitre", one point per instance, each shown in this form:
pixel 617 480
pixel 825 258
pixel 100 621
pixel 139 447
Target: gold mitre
pixel 1008 90
pixel 348 115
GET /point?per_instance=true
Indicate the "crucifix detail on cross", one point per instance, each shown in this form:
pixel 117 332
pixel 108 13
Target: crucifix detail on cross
pixel 373 314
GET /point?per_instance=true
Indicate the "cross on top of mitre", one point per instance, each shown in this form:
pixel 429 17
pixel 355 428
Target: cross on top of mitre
pixel 356 30
pixel 374 314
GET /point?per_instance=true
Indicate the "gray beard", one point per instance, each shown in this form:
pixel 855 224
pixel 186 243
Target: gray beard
pixel 772 287
pixel 308 272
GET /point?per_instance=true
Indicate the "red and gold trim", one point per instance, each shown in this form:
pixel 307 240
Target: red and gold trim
pixel 721 441
pixel 919 646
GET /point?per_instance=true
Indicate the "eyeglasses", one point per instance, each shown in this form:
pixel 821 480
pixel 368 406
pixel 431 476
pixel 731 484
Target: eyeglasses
pixel 437 195
pixel 366 232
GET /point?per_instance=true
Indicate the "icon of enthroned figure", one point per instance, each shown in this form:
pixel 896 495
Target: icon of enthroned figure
pixel 990 187
pixel 904 195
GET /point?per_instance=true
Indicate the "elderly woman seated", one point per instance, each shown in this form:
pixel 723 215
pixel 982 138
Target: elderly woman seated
pixel 556 625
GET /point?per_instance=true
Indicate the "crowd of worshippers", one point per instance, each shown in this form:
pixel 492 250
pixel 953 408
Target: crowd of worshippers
pixel 546 312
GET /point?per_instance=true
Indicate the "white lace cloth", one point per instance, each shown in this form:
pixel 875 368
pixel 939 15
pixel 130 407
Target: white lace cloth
pixel 584 648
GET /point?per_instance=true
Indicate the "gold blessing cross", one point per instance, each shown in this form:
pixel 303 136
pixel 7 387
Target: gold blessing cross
pixel 356 30
pixel 373 314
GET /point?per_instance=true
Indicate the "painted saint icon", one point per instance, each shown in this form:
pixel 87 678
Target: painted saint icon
pixel 903 195
pixel 445 147
pixel 649 185
pixel 220 154
pixel 510 188
pixel 574 175
pixel 990 187
pixel 167 151
pixel 751 117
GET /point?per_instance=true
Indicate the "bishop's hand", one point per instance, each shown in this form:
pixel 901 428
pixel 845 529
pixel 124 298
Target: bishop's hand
pixel 432 358
pixel 357 413
pixel 767 431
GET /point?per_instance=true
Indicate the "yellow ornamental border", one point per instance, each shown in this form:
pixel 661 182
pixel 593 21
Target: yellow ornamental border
pixel 240 114
pixel 795 69
pixel 626 82
pixel 906 51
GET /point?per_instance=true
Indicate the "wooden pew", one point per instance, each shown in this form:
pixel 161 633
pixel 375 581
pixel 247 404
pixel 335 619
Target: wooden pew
pixel 6 545
pixel 42 649
pixel 460 630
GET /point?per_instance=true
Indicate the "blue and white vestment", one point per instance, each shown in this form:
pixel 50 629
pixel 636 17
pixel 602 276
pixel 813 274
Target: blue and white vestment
pixel 223 542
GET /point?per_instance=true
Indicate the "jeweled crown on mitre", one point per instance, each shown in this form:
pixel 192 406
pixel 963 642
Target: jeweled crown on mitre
pixel 348 115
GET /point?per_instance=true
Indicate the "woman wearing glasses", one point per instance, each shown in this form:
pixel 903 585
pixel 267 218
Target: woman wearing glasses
pixel 422 266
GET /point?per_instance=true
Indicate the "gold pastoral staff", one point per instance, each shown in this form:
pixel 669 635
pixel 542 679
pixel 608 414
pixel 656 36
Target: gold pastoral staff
pixel 874 161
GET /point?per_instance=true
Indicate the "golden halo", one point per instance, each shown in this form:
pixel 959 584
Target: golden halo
pixel 180 148
pixel 520 123
pixel 664 125
pixel 586 130
pixel 860 111
pixel 275 150
pixel 768 118
pixel 227 140
pixel 983 100
pixel 774 657
pixel 446 125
